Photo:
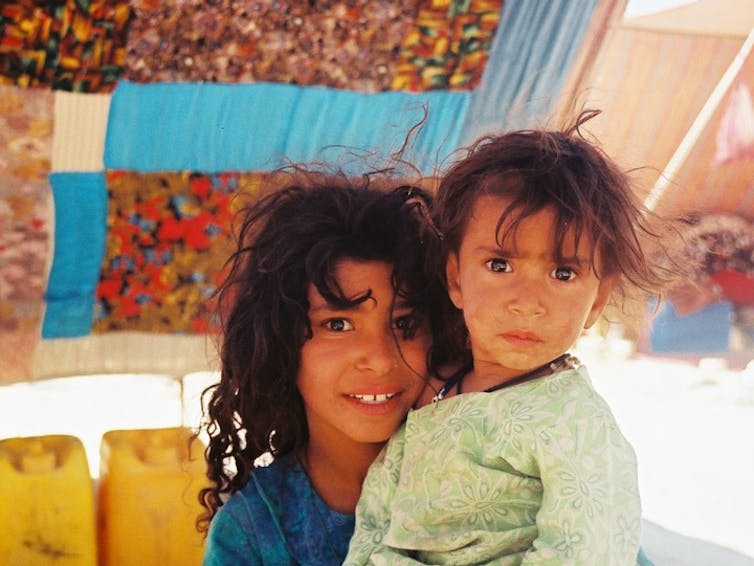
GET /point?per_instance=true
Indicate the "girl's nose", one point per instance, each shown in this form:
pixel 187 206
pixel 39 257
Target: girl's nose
pixel 525 301
pixel 378 354
pixel 526 308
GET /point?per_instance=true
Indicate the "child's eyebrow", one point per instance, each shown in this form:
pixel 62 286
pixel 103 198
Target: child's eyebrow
pixel 402 304
pixel 506 252
pixel 326 307
pixel 498 250
pixel 576 260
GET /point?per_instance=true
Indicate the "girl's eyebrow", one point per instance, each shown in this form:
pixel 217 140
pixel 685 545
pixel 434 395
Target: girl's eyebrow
pixel 506 252
pixel 493 250
pixel 331 307
pixel 402 303
pixel 357 302
pixel 576 260
pixel 324 307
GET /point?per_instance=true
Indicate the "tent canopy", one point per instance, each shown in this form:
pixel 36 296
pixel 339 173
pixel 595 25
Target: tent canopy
pixel 652 79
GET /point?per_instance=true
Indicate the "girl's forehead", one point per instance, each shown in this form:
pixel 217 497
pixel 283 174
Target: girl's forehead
pixel 514 228
pixel 356 278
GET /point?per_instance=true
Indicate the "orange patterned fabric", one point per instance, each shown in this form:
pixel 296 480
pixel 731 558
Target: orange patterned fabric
pixel 448 45
pixel 75 45
pixel 349 45
pixel 169 235
pixel 364 45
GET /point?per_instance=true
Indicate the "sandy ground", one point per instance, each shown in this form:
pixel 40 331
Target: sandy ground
pixel 692 427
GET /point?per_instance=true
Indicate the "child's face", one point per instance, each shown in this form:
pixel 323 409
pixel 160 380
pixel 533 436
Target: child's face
pixel 522 308
pixel 356 383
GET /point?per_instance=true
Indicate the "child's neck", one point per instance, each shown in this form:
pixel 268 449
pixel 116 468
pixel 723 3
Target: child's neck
pixel 337 472
pixel 491 378
pixel 486 375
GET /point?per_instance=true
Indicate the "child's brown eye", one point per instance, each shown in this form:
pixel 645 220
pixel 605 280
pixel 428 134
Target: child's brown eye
pixel 407 324
pixel 563 273
pixel 498 265
pixel 338 325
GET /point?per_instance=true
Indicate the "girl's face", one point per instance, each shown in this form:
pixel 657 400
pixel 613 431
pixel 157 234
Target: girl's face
pixel 358 374
pixel 521 307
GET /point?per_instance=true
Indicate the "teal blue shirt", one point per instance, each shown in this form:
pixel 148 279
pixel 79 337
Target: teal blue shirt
pixel 277 519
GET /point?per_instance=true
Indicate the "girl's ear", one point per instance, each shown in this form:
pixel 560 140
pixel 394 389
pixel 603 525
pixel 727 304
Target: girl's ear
pixel 453 276
pixel 600 301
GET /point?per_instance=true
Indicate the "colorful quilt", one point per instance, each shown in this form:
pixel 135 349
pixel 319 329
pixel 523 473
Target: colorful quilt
pixel 128 129
pixel 74 45
pixel 169 235
pixel 25 222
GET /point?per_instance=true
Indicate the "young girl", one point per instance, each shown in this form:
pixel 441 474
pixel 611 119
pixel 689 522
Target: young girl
pixel 325 348
pixel 519 460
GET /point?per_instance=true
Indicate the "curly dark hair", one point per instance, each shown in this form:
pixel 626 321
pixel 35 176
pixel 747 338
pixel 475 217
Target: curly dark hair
pixel 589 192
pixel 289 239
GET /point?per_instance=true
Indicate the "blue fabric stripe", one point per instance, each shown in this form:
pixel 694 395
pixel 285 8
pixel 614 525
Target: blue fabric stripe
pixel 534 47
pixel 80 226
pixel 212 127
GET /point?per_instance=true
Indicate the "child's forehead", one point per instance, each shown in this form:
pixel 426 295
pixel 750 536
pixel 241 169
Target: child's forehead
pixel 514 227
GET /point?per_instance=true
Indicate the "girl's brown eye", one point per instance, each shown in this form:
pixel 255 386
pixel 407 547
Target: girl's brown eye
pixel 563 273
pixel 407 324
pixel 498 265
pixel 338 325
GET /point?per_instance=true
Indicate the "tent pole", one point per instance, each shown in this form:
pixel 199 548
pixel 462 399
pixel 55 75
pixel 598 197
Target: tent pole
pixel 701 121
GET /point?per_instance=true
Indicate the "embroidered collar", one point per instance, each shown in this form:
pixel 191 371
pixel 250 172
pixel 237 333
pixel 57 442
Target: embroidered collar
pixel 566 361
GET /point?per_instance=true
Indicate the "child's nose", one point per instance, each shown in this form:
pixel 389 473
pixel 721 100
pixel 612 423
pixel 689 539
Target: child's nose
pixel 526 301
pixel 526 307
pixel 378 353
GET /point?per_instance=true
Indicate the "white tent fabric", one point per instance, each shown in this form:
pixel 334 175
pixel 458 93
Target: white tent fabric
pixel 652 78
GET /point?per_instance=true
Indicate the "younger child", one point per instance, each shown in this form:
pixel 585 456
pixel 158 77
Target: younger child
pixel 519 460
pixel 324 349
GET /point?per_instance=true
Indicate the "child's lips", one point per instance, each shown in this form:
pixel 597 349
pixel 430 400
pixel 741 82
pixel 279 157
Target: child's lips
pixel 521 337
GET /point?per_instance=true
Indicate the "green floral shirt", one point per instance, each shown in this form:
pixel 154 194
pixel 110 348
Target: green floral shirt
pixel 538 473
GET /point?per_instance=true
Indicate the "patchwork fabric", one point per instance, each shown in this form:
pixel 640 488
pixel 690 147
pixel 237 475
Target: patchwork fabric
pixel 260 126
pixel 74 45
pixel 80 213
pixel 221 87
pixel 25 222
pixel 350 45
pixel 78 141
pixel 168 239
pixel 529 60
pixel 448 45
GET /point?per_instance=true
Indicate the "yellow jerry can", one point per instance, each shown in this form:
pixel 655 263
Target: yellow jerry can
pixel 47 512
pixel 148 497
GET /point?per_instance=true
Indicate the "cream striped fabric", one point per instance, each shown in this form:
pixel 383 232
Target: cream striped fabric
pixel 125 352
pixel 78 141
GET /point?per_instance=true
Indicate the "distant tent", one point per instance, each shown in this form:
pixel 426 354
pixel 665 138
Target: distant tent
pixel 652 78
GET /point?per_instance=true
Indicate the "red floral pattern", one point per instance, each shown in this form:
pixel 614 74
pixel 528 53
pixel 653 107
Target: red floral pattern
pixel 168 239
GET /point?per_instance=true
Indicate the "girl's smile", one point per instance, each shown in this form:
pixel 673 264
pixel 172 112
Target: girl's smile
pixel 359 373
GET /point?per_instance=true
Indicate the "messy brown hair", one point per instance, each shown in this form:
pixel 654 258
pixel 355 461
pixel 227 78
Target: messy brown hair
pixel 289 239
pixel 564 171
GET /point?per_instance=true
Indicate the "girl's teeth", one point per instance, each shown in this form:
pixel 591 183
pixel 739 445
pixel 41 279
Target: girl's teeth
pixel 374 399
